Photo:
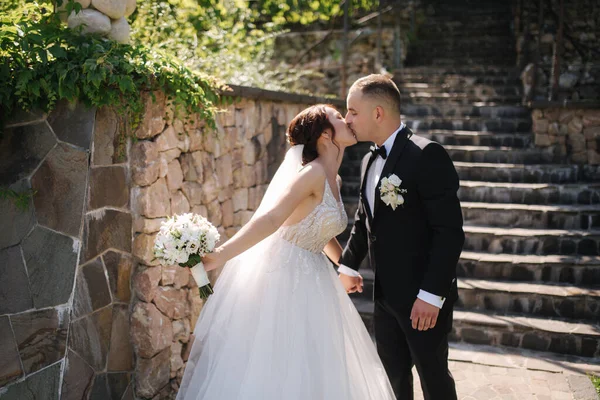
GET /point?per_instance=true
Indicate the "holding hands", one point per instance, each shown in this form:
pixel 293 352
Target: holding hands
pixel 352 284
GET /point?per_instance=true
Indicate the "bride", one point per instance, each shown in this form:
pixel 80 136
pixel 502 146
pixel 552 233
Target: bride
pixel 280 325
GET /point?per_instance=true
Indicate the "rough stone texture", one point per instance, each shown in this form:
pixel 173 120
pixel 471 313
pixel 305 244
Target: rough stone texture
pixel 179 203
pixel 153 201
pixel 129 7
pixel 90 337
pixel 14 286
pixel 77 380
pixel 581 126
pixel 108 187
pixel 145 163
pixel 106 229
pixel 145 282
pixel 108 148
pixel 174 176
pixel 91 289
pixel 60 185
pixel 51 260
pixel 119 267
pixel 46 381
pixel 15 222
pixel 115 9
pixel 172 302
pixel 73 122
pixel 119 30
pixel 92 21
pixel 147 225
pixel 151 331
pixel 22 148
pixel 10 364
pixel 153 121
pixel 153 374
pixel 41 337
pixel 120 356
pixel 143 245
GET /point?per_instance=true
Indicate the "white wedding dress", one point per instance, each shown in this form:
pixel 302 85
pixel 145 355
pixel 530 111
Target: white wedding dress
pixel 280 325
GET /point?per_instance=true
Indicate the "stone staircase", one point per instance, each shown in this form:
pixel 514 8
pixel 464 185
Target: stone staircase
pixel 529 274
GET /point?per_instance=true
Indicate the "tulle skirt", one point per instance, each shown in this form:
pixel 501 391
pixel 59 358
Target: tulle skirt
pixel 281 326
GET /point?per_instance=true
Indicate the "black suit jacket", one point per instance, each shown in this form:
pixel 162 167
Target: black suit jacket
pixel 416 246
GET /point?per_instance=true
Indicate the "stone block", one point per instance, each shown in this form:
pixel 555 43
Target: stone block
pixel 151 331
pixel 90 337
pixel 591 118
pixel 118 267
pixel 41 337
pixel 77 379
pixel 73 122
pixel 22 149
pixel 118 384
pixel 167 140
pixel 15 222
pixel 181 330
pixel 91 289
pixel 14 285
pixel 215 215
pixel 51 261
pixel 147 225
pixel 240 200
pixel 172 302
pixel 120 356
pixel 108 187
pixel 224 171
pixel 179 203
pixel 43 385
pixel 227 209
pixel 153 374
pixel 106 229
pixel 108 149
pixel 10 363
pixel 153 121
pixel 575 126
pixel 60 185
pixel 542 140
pixel 153 201
pixel 174 176
pixel 145 163
pixel 540 126
pixel 143 245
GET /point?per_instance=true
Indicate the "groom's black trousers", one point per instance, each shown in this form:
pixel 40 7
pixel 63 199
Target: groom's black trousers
pixel 400 347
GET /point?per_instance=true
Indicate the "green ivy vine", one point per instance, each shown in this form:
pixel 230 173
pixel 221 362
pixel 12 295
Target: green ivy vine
pixel 42 62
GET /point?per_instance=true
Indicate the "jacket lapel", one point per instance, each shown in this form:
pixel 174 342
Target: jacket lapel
pixel 397 148
pixel 363 198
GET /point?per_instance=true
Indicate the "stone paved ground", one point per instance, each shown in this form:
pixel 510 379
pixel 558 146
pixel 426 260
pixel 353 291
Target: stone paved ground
pixel 516 376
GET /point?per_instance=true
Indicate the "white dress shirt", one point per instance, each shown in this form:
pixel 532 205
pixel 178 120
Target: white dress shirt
pixel 373 175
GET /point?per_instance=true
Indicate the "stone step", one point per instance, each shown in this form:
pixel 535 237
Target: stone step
pixel 464 110
pixel 517 173
pixel 506 125
pixel 481 70
pixel 475 90
pixel 457 80
pixel 527 193
pixel 501 51
pixel 495 240
pixel 474 138
pixel 451 62
pixel 531 216
pixel 505 155
pixel 543 300
pixel 459 98
pixel 574 270
pixel 532 333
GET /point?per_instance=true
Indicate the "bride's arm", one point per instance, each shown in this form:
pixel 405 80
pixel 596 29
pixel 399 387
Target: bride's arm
pixel 305 184
pixel 333 250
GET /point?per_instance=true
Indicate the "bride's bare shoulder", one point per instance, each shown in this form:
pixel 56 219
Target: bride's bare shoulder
pixel 313 172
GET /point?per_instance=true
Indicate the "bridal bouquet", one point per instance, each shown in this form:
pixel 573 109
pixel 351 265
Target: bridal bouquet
pixel 184 239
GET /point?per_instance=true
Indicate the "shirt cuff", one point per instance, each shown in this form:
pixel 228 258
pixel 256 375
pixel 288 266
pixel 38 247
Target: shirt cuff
pixel 431 298
pixel 342 269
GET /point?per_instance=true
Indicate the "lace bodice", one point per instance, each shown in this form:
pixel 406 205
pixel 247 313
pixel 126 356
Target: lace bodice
pixel 327 220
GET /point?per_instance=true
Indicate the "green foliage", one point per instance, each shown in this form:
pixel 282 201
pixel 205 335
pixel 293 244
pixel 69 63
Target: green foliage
pixel 43 62
pixel 20 199
pixel 596 382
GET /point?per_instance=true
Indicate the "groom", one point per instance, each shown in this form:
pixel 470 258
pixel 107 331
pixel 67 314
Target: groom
pixel 411 228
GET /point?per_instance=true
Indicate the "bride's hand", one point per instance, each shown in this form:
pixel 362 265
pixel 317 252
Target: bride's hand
pixel 212 261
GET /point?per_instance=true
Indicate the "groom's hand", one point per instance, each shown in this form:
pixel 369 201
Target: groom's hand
pixel 423 315
pixel 352 283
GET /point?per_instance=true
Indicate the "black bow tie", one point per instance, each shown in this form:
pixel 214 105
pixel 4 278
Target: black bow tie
pixel 375 151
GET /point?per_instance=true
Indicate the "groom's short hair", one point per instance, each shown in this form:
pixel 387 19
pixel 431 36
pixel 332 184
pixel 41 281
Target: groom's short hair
pixel 381 87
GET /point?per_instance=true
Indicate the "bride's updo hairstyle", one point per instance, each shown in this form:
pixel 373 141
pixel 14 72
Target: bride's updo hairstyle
pixel 306 128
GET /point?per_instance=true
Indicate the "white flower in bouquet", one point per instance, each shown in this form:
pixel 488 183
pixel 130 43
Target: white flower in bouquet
pixel 184 239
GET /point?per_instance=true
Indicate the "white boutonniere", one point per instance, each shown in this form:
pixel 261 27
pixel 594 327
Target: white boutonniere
pixel 390 191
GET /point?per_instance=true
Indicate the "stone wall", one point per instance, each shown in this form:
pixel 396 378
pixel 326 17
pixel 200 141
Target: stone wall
pixel 574 132
pixel 65 262
pixel 325 59
pixel 580 63
pixel 221 175
pixel 85 313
